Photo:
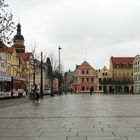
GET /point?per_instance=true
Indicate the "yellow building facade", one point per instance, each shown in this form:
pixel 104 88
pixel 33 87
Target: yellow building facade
pixel 122 73
pixel 12 62
pixel 104 80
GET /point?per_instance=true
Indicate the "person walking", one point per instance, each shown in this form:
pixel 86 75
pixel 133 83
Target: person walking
pixel 91 91
pixel 36 92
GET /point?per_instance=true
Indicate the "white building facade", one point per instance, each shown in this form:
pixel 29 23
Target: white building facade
pixel 136 74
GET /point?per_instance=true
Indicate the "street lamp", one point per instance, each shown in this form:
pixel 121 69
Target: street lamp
pixel 59 80
pixel 41 80
pixel 59 57
pixel 65 79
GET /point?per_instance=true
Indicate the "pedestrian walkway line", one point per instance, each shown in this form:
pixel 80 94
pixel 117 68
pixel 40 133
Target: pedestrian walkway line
pixel 70 117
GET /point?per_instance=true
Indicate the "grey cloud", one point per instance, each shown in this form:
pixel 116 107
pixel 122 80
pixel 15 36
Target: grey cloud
pixel 86 29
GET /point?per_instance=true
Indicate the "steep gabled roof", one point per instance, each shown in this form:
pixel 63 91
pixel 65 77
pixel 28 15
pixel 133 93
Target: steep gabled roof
pixel 84 69
pixel 85 64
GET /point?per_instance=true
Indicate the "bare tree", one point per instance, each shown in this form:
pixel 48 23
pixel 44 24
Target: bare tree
pixel 6 24
pixel 56 73
pixel 55 65
pixel 35 64
pixel 54 62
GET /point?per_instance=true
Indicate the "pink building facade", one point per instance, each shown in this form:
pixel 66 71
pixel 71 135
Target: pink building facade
pixel 84 78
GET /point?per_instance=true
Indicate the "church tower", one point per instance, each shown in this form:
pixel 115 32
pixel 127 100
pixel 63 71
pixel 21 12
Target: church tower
pixel 19 41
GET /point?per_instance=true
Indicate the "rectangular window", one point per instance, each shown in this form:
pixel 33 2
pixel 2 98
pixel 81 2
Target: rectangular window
pixel 82 79
pixel 100 87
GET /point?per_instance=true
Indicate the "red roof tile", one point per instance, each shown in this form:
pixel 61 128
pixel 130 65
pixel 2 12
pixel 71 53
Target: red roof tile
pixel 2 46
pixel 10 49
pixel 122 62
pixel 24 55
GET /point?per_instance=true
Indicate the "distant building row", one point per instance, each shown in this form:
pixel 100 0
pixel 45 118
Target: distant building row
pixel 123 76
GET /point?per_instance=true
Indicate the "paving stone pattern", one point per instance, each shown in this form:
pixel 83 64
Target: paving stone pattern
pixel 73 117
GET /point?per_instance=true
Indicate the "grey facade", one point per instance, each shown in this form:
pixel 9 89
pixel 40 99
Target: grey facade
pixel 68 81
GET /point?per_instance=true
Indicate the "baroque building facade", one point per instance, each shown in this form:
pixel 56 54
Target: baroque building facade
pixel 122 74
pixel 84 78
pixel 104 80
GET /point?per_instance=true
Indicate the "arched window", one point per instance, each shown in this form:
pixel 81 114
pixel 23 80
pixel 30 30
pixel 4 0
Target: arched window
pixel 82 71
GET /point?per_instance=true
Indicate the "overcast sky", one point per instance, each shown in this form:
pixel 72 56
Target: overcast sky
pixel 91 30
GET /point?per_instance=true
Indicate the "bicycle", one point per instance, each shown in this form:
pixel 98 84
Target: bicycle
pixel 35 97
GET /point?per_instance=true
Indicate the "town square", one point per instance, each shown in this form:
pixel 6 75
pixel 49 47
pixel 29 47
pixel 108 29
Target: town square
pixel 69 70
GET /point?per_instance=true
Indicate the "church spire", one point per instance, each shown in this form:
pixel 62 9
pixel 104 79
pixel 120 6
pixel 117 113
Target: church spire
pixel 18 36
pixel 18 29
pixel 19 40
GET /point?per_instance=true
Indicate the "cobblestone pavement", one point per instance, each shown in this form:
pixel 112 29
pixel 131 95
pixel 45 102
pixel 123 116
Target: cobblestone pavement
pixel 15 101
pixel 73 117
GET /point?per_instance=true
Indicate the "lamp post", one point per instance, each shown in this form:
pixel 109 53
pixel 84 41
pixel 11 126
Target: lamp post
pixel 59 80
pixel 41 86
pixel 65 79
pixel 59 58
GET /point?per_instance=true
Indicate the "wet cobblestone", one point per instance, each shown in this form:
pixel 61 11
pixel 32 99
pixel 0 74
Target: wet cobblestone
pixel 73 117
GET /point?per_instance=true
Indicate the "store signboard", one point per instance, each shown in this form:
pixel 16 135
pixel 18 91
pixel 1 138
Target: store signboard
pixel 5 78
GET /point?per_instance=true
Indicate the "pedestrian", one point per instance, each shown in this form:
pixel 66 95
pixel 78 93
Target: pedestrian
pixel 36 92
pixel 91 91
pixel 71 91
